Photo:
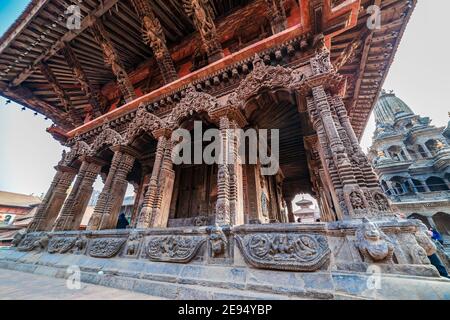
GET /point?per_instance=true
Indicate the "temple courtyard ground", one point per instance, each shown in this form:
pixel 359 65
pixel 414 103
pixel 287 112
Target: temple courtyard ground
pixel 16 285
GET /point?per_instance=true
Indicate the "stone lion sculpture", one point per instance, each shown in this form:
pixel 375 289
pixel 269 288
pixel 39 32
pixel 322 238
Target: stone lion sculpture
pixel 373 244
pixel 424 240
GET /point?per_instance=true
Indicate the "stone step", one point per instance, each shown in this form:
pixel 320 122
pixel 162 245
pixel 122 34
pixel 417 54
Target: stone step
pixel 201 281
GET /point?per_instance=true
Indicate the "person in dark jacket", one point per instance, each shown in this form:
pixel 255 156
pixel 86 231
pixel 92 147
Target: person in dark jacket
pixel 436 236
pixel 122 222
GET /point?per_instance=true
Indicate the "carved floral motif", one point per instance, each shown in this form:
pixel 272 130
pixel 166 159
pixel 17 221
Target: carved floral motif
pixel 61 245
pixel 193 101
pixel 264 77
pixel 31 242
pixel 143 121
pixel 108 137
pixel 285 251
pixel 173 248
pixel 79 148
pixel 106 247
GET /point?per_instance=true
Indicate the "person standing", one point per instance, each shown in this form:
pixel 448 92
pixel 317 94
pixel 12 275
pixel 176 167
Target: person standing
pixel 122 222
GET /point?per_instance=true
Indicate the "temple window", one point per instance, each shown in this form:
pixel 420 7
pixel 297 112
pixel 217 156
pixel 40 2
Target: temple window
pixel 436 184
pixel 412 153
pixel 399 185
pixel 432 145
pixel 396 153
pixel 422 152
pixel 386 188
pixel 419 185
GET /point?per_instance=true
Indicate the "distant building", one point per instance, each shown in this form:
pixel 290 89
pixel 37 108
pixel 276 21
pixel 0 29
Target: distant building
pixel 16 212
pixel 306 214
pixel 127 207
pixel 412 159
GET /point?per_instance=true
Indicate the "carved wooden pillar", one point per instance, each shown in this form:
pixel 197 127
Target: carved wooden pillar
pixel 97 101
pixel 112 59
pixel 51 205
pixel 277 15
pixel 291 217
pixel 361 159
pixel 48 74
pixel 202 17
pixel 111 198
pixel 78 199
pixel 352 197
pixel 166 179
pixel 222 216
pixel 145 215
pixel 154 36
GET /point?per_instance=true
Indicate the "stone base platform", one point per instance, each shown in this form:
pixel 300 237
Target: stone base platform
pixel 354 259
pixel 199 281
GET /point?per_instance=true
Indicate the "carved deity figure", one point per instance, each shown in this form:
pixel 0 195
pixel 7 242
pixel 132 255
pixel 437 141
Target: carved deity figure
pixel 202 17
pixel 218 242
pixel 356 200
pixel 133 243
pixel 382 202
pixel 154 36
pixel 373 244
pixel 80 244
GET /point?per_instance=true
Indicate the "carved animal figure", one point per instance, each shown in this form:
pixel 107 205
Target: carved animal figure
pixel 373 243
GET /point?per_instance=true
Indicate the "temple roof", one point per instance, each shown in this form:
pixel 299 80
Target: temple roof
pixel 389 108
pixel 363 56
pixel 18 200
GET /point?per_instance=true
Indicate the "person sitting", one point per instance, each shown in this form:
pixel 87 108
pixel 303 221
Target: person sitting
pixel 122 222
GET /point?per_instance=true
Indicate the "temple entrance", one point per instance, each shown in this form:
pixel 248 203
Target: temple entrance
pixel 195 188
pixel 268 198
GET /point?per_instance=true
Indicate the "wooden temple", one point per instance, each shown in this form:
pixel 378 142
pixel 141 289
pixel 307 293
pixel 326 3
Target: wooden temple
pixel 136 70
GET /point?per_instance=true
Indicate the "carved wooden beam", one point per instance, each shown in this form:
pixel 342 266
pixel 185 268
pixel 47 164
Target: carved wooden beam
pixel 67 37
pixel 316 12
pixel 364 59
pixel 25 97
pixel 94 96
pixel 112 59
pixel 202 16
pixel 60 93
pixel 277 15
pixel 155 38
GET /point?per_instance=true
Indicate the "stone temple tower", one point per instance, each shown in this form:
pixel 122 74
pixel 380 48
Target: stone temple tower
pixel 412 160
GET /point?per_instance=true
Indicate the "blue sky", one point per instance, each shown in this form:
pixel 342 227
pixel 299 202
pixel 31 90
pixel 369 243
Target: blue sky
pixel 419 76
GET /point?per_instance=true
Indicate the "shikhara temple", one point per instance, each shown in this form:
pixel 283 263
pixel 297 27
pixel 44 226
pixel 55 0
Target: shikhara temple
pixel 135 71
pixel 412 160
